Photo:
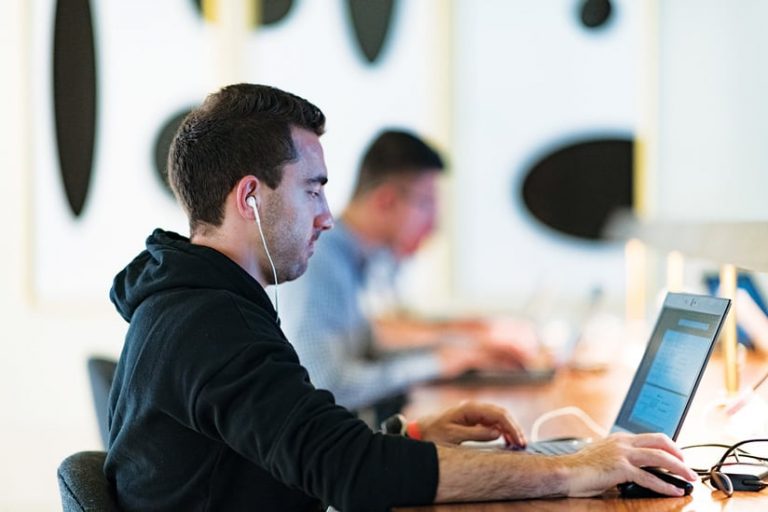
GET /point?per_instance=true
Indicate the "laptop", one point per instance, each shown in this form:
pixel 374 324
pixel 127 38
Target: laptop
pixel 669 373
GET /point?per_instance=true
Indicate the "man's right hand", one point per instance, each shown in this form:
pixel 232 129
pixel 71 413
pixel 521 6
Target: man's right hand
pixel 619 457
pixel 601 466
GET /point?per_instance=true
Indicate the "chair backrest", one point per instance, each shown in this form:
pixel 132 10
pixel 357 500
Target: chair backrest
pixel 83 485
pixel 101 372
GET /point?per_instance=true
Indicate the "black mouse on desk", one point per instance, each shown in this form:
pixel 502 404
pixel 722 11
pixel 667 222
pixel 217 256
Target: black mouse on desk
pixel 634 490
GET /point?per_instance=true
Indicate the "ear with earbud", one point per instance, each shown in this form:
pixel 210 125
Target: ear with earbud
pixel 251 201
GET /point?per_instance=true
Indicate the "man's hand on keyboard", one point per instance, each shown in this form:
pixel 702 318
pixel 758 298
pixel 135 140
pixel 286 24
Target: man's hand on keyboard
pixel 472 421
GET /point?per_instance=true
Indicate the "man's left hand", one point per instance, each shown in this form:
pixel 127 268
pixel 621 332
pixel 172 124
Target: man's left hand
pixel 472 421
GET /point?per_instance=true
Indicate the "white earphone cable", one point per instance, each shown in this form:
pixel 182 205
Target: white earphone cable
pixel 252 203
pixel 566 411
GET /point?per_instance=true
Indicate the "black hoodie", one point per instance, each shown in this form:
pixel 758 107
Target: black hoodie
pixel 210 408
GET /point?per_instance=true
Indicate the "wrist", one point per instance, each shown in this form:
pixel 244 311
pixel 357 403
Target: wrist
pixel 565 477
pixel 395 425
pixel 413 430
pixel 399 426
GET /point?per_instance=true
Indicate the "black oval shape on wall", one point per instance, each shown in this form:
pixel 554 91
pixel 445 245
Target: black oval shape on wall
pixel 575 188
pixel 272 11
pixel 595 14
pixel 74 97
pixel 372 23
pixel 163 144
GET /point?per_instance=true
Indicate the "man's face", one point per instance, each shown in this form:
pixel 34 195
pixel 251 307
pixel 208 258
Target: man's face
pixel 296 212
pixel 414 214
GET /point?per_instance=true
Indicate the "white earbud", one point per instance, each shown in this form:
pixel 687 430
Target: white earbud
pixel 251 201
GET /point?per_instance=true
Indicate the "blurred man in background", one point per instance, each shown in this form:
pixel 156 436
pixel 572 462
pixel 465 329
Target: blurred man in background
pixel 367 360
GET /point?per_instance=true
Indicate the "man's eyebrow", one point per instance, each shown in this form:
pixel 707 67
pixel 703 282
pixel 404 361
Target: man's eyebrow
pixel 322 180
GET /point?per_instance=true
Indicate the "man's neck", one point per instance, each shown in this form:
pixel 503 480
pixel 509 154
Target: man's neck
pixel 234 250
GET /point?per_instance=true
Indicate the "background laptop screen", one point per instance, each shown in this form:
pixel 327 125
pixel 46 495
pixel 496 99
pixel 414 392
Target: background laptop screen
pixel 744 281
pixel 674 361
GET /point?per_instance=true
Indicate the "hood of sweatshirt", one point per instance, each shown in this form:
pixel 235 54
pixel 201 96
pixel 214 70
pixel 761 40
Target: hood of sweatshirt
pixel 170 262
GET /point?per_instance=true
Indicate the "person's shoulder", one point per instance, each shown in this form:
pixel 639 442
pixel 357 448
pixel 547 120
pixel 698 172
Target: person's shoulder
pixel 242 312
pixel 192 302
pixel 198 314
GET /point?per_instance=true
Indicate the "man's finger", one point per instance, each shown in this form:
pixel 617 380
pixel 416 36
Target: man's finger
pixel 486 414
pixel 654 483
pixel 658 441
pixel 662 459
pixel 476 433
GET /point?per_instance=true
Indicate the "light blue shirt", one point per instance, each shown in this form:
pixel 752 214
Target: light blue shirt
pixel 323 318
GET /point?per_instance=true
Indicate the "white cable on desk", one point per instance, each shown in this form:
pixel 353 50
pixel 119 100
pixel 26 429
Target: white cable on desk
pixel 563 411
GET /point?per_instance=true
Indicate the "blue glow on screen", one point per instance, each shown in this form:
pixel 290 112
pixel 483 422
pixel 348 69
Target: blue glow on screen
pixel 671 378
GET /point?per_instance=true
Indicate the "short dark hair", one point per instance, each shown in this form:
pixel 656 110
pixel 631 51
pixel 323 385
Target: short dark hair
pixel 395 153
pixel 240 130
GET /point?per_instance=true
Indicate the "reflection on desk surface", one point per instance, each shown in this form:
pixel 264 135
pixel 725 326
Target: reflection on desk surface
pixel 703 499
pixel 570 505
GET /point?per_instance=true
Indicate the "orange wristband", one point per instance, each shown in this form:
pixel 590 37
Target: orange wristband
pixel 413 430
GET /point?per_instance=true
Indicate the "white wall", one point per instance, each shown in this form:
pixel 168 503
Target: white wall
pixel 529 78
pixel 712 160
pixel 46 410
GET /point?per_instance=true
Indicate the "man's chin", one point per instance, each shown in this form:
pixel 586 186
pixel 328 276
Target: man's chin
pixel 295 272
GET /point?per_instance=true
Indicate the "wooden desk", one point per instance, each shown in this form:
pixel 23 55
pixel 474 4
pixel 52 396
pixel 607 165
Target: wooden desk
pixel 600 395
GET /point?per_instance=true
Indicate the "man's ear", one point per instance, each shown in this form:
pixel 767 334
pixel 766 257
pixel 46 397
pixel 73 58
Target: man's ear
pixel 248 186
pixel 385 196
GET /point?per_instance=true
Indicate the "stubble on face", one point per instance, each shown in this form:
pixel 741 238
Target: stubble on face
pixel 284 239
pixel 291 217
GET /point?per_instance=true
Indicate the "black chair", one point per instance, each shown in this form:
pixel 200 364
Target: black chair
pixel 101 372
pixel 83 485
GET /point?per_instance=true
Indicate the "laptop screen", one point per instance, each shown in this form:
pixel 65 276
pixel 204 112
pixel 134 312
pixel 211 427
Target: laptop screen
pixel 673 364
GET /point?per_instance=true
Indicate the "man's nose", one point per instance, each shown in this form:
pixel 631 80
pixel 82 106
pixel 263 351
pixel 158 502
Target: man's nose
pixel 324 220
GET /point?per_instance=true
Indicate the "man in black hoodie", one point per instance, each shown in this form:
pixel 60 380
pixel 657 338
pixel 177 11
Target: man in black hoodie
pixel 210 408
